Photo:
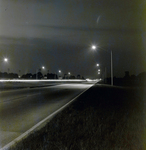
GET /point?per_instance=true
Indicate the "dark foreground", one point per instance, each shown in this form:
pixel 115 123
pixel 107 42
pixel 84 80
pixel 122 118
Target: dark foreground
pixel 103 118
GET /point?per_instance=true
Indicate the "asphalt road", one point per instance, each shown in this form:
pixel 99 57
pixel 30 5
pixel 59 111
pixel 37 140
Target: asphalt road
pixel 23 108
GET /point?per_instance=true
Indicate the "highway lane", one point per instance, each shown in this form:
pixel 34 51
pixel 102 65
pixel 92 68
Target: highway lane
pixel 23 108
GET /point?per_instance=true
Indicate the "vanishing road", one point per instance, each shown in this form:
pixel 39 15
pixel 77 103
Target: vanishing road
pixel 22 109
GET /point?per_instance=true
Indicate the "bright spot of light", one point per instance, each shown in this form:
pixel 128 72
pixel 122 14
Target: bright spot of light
pixel 92 80
pixel 6 59
pixel 88 79
pixel 93 47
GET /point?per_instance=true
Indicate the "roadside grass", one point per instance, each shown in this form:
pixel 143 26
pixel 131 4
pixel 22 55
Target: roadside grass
pixel 103 118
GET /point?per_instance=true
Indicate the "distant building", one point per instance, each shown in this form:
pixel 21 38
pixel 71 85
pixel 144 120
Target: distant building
pixel 142 78
pixel 127 76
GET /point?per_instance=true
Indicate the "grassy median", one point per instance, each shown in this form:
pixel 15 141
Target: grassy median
pixel 103 118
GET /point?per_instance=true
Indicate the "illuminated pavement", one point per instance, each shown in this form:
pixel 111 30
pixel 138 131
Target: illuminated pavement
pixel 23 108
pixel 17 84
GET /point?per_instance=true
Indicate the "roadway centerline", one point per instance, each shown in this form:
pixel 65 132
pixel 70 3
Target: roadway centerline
pixel 17 98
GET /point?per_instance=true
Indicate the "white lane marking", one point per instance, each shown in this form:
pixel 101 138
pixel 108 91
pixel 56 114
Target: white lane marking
pixel 98 19
pixel 6 147
pixel 33 94
pixel 17 98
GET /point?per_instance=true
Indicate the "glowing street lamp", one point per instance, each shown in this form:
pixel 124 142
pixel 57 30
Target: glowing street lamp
pixel 68 75
pixel 60 74
pixel 93 47
pixel 5 59
pixel 97 65
pixel 99 70
pixel 43 67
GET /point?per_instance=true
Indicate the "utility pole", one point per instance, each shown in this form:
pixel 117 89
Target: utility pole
pixel 111 68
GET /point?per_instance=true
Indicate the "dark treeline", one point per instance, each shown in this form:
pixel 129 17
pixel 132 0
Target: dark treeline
pixel 5 75
pixel 39 75
pixel 128 80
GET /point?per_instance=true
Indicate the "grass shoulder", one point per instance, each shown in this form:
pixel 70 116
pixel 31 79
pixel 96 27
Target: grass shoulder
pixel 102 118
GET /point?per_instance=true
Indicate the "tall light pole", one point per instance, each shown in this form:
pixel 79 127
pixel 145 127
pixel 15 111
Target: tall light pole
pixel 104 72
pixel 111 68
pixel 60 77
pixel 98 69
pixel 38 70
pixel 36 73
pixel 69 75
pixel 5 60
pixel 93 48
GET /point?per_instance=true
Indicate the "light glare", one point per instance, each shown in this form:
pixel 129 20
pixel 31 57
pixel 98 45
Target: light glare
pixel 93 47
pixel 6 59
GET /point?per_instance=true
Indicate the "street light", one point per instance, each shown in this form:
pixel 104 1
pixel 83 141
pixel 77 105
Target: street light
pixel 60 77
pixel 97 65
pixel 104 72
pixel 6 59
pixel 111 67
pixel 69 75
pixel 94 47
pixel 43 67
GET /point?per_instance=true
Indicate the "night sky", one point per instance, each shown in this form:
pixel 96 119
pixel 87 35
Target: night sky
pixel 59 33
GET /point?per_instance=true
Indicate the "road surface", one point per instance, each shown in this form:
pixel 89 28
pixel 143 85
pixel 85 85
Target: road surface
pixel 23 108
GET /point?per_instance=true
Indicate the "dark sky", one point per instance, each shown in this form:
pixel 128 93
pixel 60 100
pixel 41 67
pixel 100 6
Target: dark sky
pixel 59 33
